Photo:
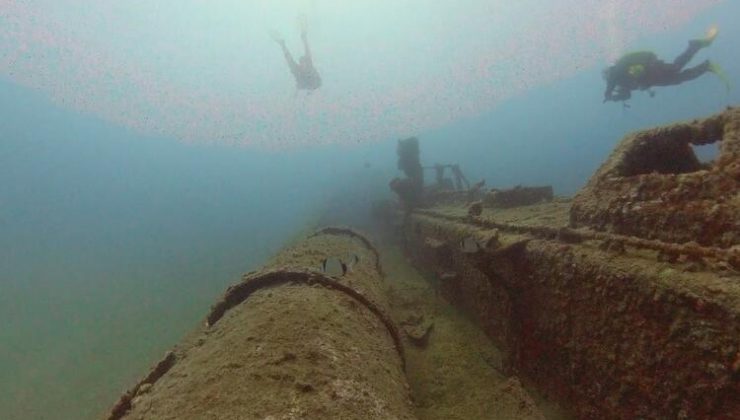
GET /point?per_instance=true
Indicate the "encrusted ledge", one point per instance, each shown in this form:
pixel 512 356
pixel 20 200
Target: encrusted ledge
pixel 654 187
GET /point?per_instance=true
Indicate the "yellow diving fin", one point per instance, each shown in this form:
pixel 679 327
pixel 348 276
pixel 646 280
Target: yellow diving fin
pixel 717 70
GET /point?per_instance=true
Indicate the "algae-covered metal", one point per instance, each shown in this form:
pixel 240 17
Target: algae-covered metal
pixel 623 303
pixel 287 342
pixel 653 186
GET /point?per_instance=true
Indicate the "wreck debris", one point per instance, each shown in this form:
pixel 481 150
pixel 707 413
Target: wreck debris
pixel 446 184
pixel 418 328
pixel 475 209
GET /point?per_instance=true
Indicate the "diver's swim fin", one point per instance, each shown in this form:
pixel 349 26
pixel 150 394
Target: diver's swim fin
pixel 717 70
pixel 302 22
pixel 712 33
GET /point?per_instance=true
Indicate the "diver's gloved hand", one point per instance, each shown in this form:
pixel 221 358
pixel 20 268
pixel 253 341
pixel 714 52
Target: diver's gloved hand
pixel 610 98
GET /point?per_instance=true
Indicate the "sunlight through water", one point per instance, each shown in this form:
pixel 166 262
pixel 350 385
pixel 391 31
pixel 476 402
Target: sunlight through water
pixel 207 71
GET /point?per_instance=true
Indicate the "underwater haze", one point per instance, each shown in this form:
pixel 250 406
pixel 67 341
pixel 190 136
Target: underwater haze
pixel 153 151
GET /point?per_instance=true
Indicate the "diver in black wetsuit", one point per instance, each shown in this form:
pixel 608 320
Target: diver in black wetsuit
pixel 306 76
pixel 643 70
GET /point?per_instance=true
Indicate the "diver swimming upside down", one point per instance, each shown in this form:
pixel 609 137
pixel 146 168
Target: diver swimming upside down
pixel 643 70
pixel 306 75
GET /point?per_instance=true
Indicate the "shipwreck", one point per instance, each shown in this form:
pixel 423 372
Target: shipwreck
pixel 622 302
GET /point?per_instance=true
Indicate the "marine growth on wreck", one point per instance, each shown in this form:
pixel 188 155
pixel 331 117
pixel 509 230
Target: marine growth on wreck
pixel 622 302
pixel 369 209
pixel 579 316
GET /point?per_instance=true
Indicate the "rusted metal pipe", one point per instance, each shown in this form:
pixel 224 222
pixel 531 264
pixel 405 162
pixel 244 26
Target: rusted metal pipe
pixel 289 341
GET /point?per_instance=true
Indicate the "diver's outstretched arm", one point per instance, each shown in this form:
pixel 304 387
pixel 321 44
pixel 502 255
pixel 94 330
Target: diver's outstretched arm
pixel 621 94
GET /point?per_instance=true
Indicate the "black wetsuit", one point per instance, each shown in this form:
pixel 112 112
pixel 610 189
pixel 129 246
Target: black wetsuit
pixel 305 73
pixel 654 72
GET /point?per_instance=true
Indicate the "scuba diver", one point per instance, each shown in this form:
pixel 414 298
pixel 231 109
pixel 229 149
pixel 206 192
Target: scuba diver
pixel 306 76
pixel 643 70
